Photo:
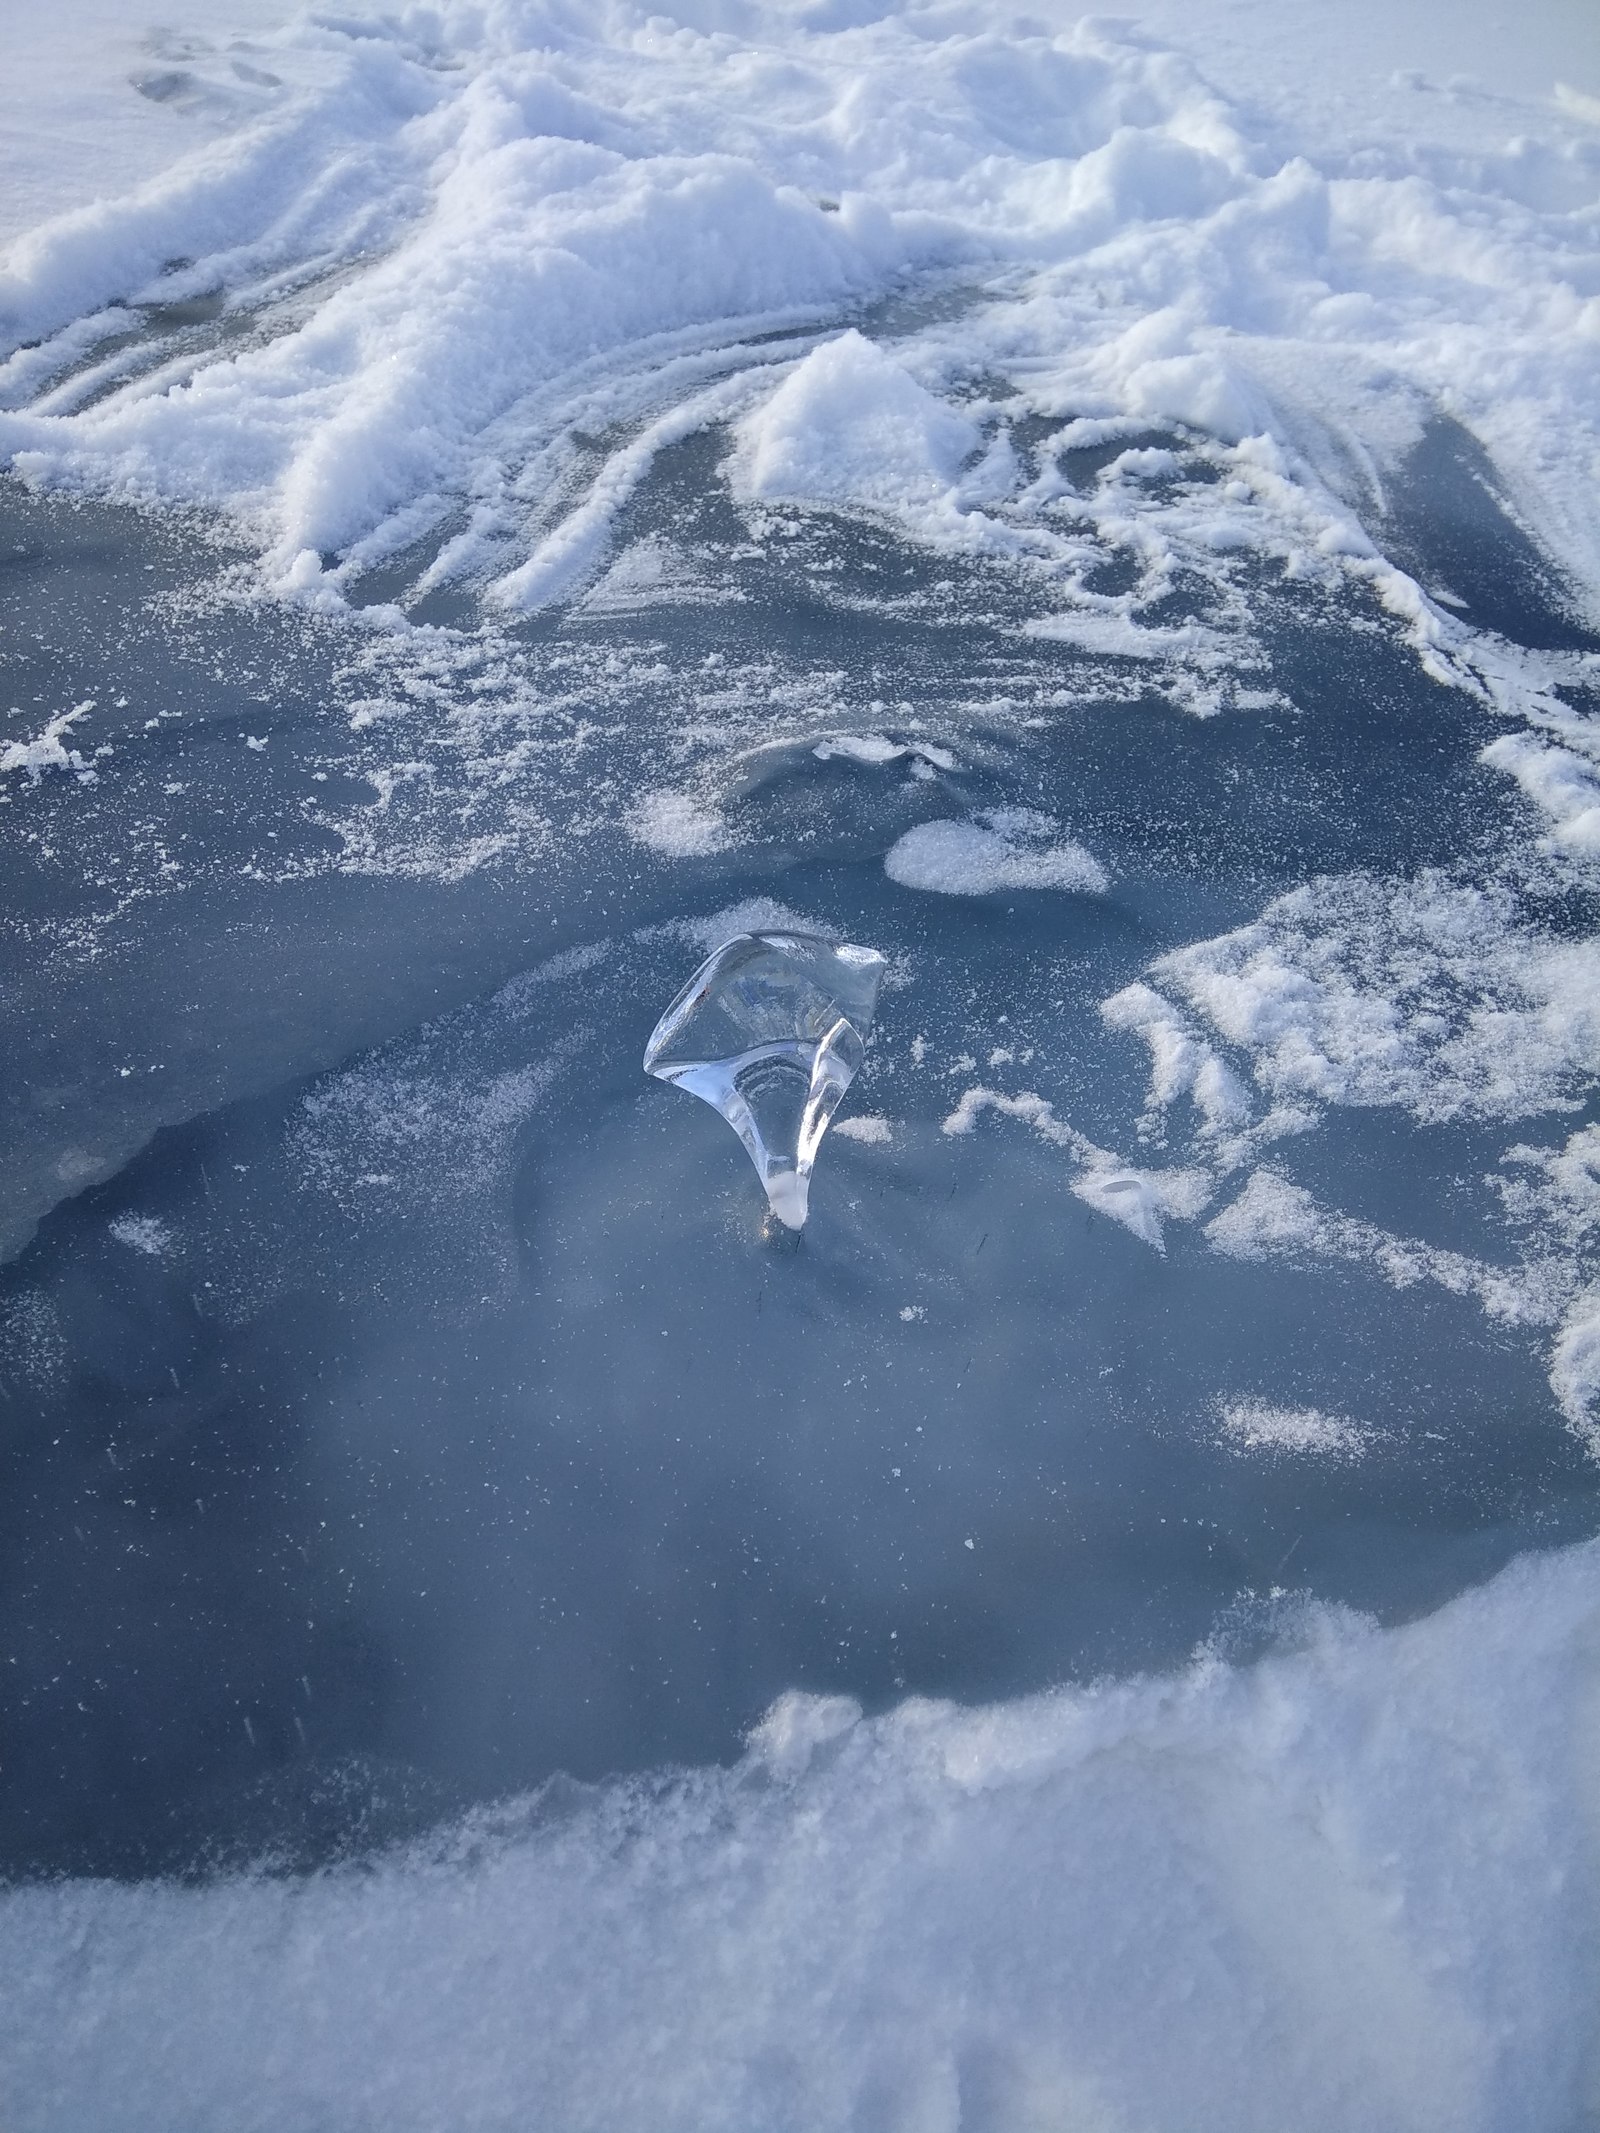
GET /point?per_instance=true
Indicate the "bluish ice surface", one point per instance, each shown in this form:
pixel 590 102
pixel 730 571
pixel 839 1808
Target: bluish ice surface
pixel 402 1402
pixel 495 1631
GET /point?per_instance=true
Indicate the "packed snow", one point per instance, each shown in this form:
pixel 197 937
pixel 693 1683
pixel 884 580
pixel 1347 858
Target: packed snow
pixel 443 241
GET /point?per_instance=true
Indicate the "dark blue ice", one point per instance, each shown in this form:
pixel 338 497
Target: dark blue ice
pixel 401 1402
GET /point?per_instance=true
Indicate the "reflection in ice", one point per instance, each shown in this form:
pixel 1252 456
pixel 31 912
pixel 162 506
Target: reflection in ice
pixel 770 1030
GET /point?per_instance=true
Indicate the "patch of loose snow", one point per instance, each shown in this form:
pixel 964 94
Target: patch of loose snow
pixel 678 824
pixel 142 1233
pixel 965 859
pixel 1262 1426
pixel 48 750
pixel 1425 994
pixel 867 1126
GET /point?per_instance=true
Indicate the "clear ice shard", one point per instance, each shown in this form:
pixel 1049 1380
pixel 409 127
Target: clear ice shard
pixel 770 1030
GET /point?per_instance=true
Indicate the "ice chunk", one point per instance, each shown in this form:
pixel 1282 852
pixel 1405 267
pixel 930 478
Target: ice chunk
pixel 770 1030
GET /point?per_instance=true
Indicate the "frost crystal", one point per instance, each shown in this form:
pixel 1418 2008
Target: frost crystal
pixel 770 1030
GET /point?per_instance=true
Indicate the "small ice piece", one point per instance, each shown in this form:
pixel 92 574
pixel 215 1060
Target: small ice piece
pixel 771 1030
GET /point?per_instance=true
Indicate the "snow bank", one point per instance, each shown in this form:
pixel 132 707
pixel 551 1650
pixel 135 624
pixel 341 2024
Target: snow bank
pixel 1353 1884
pixel 458 236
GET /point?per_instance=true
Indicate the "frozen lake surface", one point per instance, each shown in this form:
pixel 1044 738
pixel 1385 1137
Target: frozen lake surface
pixel 1098 1630
pixel 412 1387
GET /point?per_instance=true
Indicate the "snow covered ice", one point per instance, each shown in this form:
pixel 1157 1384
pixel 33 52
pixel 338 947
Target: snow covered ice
pixel 501 503
pixel 771 1031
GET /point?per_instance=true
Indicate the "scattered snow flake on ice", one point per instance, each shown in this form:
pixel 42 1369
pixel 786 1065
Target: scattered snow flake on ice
pixel 867 1126
pixel 141 1233
pixel 1261 1426
pixel 48 750
pixel 33 1341
pixel 1272 1216
pixel 1138 1199
pixel 423 1130
pixel 650 573
pixel 679 825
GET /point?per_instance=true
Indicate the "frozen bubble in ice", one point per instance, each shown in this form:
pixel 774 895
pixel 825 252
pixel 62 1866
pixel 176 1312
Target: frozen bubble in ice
pixel 771 1029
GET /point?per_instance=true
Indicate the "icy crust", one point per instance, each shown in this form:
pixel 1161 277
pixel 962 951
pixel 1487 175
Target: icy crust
pixel 449 243
pixel 1087 1909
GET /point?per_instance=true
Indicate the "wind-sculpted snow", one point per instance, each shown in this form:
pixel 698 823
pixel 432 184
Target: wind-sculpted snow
pixel 466 236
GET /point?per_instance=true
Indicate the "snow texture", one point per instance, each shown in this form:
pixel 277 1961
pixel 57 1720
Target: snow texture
pixel 1261 1426
pixel 446 240
pixel 1087 1909
pixel 965 859
pixel 474 267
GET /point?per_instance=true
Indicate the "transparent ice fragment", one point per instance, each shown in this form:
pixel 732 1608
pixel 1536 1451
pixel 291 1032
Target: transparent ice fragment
pixel 770 1030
